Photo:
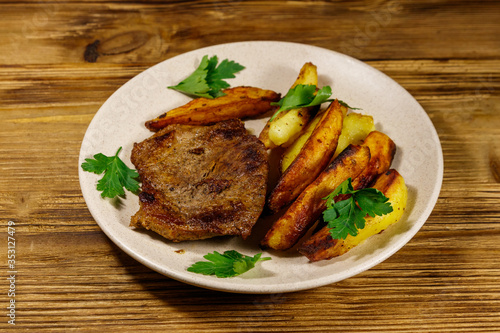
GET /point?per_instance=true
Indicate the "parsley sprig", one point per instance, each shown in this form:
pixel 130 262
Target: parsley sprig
pixel 117 175
pixel 305 95
pixel 229 264
pixel 208 79
pixel 346 217
pixel 301 96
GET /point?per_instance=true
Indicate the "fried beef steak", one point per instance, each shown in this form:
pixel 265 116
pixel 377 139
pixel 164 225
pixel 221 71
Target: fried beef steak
pixel 200 181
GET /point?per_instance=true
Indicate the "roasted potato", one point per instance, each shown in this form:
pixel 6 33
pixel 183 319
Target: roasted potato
pixel 355 128
pixel 304 211
pixel 382 151
pixel 264 134
pixel 321 246
pixel 239 102
pixel 293 150
pixel 314 156
pixel 284 130
pixel 286 127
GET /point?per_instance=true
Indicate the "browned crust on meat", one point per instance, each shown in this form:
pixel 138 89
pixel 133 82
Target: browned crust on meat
pixel 200 181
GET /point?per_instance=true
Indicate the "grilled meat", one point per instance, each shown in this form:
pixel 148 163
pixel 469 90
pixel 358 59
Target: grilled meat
pixel 200 181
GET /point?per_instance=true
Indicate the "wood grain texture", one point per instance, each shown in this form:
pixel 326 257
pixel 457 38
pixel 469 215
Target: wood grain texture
pixel 61 60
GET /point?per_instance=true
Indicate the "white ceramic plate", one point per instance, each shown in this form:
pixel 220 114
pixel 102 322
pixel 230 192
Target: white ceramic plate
pixel 270 65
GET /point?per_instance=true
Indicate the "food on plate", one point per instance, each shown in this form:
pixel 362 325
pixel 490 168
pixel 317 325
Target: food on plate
pixel 200 181
pixel 228 264
pixel 287 125
pixel 321 245
pixel 284 130
pixel 207 80
pixel 308 207
pixel 264 134
pixel 301 96
pixel 238 102
pixel 355 128
pixel 346 209
pixel 293 150
pixel 314 156
pixel 382 151
pixel 117 175
pixel 203 175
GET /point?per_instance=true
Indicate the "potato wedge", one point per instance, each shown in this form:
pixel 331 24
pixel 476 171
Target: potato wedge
pixel 284 130
pixel 304 211
pixel 321 246
pixel 294 149
pixel 264 134
pixel 287 125
pixel 314 156
pixel 308 75
pixel 239 102
pixel 382 151
pixel 354 130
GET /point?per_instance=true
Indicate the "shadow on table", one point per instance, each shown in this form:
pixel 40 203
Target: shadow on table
pixel 238 312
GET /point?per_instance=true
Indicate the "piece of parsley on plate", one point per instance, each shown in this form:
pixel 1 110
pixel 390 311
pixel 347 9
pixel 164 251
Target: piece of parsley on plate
pixel 301 96
pixel 230 263
pixel 305 95
pixel 117 175
pixel 208 79
pixel 346 217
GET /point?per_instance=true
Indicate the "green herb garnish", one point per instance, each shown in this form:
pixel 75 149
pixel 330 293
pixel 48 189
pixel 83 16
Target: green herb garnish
pixel 117 175
pixel 305 95
pixel 348 216
pixel 229 264
pixel 301 96
pixel 208 79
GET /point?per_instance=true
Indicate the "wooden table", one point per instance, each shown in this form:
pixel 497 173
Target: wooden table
pixel 61 60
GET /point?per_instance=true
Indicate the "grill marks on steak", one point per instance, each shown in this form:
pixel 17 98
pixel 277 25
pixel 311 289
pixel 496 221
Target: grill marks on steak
pixel 200 181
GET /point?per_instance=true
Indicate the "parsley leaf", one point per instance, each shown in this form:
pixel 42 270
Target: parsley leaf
pixel 229 264
pixel 373 202
pixel 305 95
pixel 346 217
pixel 301 96
pixel 116 175
pixel 196 84
pixel 208 79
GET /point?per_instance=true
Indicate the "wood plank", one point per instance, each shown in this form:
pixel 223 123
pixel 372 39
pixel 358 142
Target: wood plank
pixel 146 33
pixel 102 298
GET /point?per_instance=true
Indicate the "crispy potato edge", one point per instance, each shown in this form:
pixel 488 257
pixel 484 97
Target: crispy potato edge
pixel 239 102
pixel 304 211
pixel 321 246
pixel 312 159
